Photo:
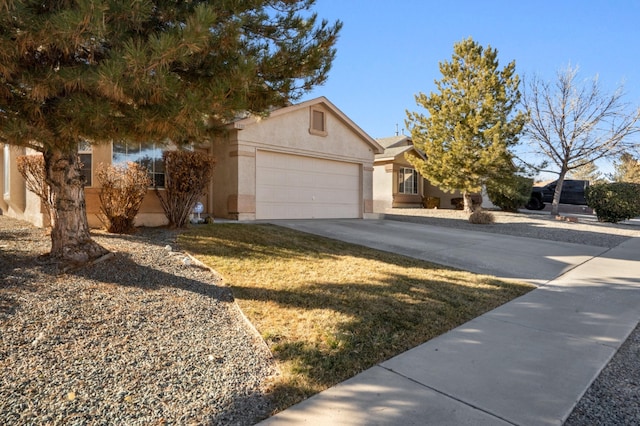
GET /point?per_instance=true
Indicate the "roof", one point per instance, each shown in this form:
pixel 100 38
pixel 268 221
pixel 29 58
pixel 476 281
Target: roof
pixel 395 141
pixel 377 148
pixel 395 146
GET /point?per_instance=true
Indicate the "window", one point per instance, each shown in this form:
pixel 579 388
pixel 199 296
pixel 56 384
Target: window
pixel 407 181
pixel 5 169
pixel 318 124
pixel 147 154
pixel 85 152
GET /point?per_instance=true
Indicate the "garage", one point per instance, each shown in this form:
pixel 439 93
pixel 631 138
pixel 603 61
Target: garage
pixel 299 187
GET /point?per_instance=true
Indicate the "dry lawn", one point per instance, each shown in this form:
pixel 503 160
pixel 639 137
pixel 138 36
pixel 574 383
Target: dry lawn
pixel 329 310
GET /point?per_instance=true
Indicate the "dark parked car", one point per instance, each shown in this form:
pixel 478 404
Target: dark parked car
pixel 573 192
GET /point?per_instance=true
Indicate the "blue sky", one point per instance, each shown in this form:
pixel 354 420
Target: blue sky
pixel 389 50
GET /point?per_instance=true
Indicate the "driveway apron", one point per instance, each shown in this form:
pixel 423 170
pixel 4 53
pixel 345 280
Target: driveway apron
pixel 505 256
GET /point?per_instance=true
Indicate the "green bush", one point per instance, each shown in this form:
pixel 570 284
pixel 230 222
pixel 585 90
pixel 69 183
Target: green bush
pixel 614 202
pixel 509 193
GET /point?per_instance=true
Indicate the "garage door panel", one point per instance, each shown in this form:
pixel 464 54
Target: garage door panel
pixel 296 187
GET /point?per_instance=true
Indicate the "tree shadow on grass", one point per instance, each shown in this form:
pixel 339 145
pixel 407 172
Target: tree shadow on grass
pixel 379 320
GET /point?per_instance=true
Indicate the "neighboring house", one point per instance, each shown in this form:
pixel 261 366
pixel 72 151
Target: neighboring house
pixel 396 183
pixel 303 161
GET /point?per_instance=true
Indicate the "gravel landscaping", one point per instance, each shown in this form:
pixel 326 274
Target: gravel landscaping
pixel 147 336
pixel 144 337
pixel 587 230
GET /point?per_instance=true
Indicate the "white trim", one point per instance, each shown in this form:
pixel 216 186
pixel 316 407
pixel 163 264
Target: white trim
pixel 413 181
pixel 85 148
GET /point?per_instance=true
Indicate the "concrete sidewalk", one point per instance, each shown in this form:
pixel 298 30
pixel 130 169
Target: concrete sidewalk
pixel 525 363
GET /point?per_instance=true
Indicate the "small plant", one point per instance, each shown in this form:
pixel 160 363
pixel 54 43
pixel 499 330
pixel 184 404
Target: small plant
pixel 431 202
pixel 614 202
pixel 31 167
pixel 122 190
pixel 187 174
pixel 481 217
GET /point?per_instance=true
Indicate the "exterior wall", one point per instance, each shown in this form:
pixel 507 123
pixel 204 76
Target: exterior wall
pixel 445 197
pixel 18 202
pixel 151 213
pixel 290 133
pixel 486 201
pixel 226 200
pixel 386 186
pixel 385 178
pixel 287 133
pixel 383 186
pixel 232 192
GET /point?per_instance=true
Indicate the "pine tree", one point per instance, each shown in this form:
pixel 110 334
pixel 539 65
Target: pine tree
pixel 98 70
pixel 626 169
pixel 588 172
pixel 471 122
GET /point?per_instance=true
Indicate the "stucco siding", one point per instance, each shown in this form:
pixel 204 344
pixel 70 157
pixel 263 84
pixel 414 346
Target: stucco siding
pixel 382 186
pixel 290 133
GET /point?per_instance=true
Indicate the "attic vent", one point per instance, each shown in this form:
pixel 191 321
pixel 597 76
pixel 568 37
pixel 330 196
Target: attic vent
pixel 318 124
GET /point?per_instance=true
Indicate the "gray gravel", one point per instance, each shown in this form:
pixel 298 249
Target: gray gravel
pixel 614 397
pixel 541 226
pixel 144 337
pixel 149 337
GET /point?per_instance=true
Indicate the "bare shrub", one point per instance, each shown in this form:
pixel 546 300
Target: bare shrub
pixel 481 217
pixel 122 190
pixel 31 167
pixel 187 174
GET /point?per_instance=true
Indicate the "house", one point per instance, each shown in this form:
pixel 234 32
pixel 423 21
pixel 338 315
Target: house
pixel 397 184
pixel 303 161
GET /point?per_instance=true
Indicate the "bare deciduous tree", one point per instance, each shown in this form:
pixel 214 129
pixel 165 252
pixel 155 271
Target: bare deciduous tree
pixel 32 169
pixel 574 124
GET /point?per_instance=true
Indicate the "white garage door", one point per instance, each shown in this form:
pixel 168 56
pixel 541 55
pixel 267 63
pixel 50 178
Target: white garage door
pixel 298 187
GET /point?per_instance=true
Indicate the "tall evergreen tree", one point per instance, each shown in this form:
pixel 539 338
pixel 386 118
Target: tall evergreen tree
pixel 471 122
pixel 588 172
pixel 626 169
pixel 97 70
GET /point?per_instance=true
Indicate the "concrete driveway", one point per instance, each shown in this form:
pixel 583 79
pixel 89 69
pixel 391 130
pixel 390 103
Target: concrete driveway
pixel 532 260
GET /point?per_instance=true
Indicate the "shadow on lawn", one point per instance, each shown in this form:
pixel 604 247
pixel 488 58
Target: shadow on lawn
pixel 377 319
pixel 384 319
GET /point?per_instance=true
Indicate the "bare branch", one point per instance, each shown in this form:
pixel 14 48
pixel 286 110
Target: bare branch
pixel 574 124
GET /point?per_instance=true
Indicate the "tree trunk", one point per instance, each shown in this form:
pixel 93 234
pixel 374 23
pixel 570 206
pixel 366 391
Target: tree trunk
pixel 468 202
pixel 70 238
pixel 555 204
